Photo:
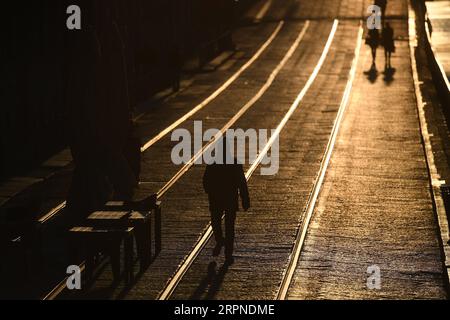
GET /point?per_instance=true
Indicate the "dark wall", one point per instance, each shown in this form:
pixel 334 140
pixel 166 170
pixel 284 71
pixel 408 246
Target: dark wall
pixel 38 56
pixel 32 75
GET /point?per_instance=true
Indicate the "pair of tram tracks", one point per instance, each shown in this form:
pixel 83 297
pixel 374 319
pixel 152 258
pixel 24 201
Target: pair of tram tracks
pixel 173 283
pixel 187 262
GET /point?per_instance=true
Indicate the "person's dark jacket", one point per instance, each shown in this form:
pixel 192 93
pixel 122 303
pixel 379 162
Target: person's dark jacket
pixel 224 183
pixel 387 37
pixel 373 38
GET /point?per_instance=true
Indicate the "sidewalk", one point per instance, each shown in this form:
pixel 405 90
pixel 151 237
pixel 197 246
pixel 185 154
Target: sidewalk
pixel 439 15
pixel 375 208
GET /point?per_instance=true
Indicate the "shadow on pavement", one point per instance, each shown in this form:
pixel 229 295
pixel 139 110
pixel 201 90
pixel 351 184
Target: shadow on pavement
pixel 388 75
pixel 213 280
pixel 372 74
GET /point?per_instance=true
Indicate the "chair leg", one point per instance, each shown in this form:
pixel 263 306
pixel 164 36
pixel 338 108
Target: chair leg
pixel 114 253
pixel 158 225
pixel 128 246
pixel 148 241
pixel 143 234
pixel 90 266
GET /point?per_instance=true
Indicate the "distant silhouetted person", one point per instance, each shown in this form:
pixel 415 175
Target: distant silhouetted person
pixel 387 37
pixel 382 4
pixel 224 183
pixel 373 39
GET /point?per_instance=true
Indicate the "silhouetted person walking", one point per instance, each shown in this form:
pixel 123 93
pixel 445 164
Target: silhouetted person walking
pixel 387 37
pixel 382 4
pixel 373 39
pixel 224 183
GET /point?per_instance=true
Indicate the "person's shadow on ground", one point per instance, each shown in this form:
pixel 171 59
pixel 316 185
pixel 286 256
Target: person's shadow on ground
pixel 389 75
pixel 212 282
pixel 372 73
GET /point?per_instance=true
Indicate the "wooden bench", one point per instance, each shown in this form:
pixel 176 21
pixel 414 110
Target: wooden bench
pixel 119 215
pixel 109 240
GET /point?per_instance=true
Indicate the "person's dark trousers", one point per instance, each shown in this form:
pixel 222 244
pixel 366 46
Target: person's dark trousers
pixel 216 223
